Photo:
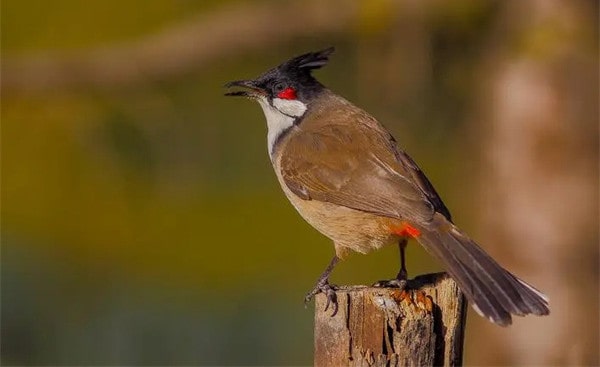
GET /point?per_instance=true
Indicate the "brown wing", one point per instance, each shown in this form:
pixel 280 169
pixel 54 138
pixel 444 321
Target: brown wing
pixel 423 183
pixel 357 166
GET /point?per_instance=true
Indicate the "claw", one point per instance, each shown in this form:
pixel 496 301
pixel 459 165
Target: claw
pixel 392 283
pixel 331 300
pixel 324 286
pixel 329 291
pixel 400 282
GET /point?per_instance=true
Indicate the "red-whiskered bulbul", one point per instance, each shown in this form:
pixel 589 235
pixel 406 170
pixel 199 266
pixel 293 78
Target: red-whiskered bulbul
pixel 344 173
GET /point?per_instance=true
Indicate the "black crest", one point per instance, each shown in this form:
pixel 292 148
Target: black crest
pixel 298 71
pixel 295 73
pixel 307 62
pixel 300 67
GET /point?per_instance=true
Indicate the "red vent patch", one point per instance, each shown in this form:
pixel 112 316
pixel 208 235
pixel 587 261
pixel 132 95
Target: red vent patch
pixel 406 230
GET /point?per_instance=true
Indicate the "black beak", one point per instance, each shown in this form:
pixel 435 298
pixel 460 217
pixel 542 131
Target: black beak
pixel 253 89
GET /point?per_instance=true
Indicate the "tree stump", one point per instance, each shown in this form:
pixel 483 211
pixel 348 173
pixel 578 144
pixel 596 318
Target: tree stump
pixel 420 326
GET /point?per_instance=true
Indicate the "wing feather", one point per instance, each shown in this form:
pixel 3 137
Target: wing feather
pixel 358 166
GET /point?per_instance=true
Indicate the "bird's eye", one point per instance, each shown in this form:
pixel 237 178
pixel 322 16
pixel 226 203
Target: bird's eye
pixel 278 87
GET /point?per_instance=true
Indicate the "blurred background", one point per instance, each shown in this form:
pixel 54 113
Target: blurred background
pixel 141 220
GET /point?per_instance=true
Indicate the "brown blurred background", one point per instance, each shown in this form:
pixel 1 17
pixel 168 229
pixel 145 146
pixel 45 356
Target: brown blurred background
pixel 141 220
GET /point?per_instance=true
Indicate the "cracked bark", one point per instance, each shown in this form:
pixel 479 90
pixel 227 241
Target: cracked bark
pixel 423 326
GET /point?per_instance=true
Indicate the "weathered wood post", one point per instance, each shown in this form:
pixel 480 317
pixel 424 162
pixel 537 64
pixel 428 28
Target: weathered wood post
pixel 423 326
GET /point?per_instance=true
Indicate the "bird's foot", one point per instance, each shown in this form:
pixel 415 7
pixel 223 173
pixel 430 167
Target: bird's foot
pixel 324 287
pixel 391 283
pixel 400 282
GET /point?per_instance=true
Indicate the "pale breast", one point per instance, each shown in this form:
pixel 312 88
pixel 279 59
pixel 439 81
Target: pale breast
pixel 349 229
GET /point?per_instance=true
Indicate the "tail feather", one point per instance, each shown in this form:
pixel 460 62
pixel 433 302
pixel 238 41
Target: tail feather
pixel 491 274
pixel 494 292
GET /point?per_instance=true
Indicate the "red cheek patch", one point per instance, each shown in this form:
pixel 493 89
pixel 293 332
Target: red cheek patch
pixel 406 230
pixel 287 93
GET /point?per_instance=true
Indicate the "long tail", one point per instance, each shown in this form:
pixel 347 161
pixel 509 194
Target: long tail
pixel 493 292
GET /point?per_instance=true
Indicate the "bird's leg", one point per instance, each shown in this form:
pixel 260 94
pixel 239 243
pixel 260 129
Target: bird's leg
pixel 401 279
pixel 402 274
pixel 324 286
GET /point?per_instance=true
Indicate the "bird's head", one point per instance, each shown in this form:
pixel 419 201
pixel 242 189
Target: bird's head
pixel 286 89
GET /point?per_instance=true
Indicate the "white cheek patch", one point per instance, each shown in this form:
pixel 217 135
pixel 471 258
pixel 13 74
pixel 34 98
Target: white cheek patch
pixel 289 107
pixel 277 123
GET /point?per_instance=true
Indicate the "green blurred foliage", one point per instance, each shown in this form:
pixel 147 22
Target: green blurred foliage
pixel 33 25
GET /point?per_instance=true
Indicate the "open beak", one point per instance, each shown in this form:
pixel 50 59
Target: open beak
pixel 252 90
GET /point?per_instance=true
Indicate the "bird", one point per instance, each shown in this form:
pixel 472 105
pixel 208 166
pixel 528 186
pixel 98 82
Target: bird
pixel 346 176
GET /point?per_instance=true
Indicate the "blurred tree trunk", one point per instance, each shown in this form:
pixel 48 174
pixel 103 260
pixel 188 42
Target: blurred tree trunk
pixel 539 186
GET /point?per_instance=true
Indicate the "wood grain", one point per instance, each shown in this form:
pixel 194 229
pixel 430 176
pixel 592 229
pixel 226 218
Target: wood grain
pixel 421 326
